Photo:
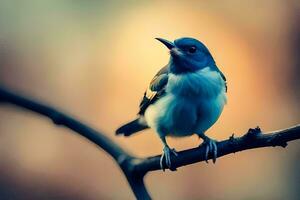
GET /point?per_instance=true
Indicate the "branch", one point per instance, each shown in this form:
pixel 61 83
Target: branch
pixel 123 158
pixel 136 168
pixel 254 138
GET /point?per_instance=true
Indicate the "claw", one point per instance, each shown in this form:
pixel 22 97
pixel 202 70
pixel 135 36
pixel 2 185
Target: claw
pixel 215 151
pixel 206 153
pixel 166 155
pixel 210 147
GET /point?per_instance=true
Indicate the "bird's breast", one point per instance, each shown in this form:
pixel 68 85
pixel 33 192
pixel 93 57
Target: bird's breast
pixel 204 83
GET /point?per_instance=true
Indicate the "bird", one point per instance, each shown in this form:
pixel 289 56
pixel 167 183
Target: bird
pixel 185 97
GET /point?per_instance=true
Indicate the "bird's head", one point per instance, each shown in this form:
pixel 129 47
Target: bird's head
pixel 187 55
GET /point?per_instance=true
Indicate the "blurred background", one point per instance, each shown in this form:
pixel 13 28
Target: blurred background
pixel 94 59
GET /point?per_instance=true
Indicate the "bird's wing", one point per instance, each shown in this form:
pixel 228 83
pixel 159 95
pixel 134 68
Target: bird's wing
pixel 214 67
pixel 224 78
pixel 155 90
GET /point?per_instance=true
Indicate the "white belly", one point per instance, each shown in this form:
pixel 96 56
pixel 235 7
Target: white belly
pixel 192 104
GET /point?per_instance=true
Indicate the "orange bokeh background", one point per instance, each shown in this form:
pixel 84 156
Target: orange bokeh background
pixel 94 60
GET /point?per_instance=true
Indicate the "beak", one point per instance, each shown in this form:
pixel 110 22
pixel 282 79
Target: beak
pixel 167 43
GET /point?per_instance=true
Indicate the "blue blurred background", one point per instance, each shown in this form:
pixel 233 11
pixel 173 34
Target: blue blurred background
pixel 94 59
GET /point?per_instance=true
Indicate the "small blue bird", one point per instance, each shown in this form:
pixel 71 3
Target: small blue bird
pixel 185 97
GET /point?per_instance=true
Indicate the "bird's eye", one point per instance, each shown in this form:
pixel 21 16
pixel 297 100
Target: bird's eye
pixel 192 49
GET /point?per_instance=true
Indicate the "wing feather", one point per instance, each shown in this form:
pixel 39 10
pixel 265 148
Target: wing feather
pixel 155 90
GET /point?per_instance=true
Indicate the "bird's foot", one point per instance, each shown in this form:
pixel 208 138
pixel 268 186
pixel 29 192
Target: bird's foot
pixel 210 147
pixel 166 155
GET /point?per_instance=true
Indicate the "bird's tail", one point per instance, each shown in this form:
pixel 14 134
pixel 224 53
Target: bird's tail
pixel 131 128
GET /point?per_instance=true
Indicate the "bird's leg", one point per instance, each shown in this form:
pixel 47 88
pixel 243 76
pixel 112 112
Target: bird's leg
pixel 210 147
pixel 166 154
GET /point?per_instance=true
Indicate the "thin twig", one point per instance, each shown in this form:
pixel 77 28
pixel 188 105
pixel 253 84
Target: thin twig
pixel 136 168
